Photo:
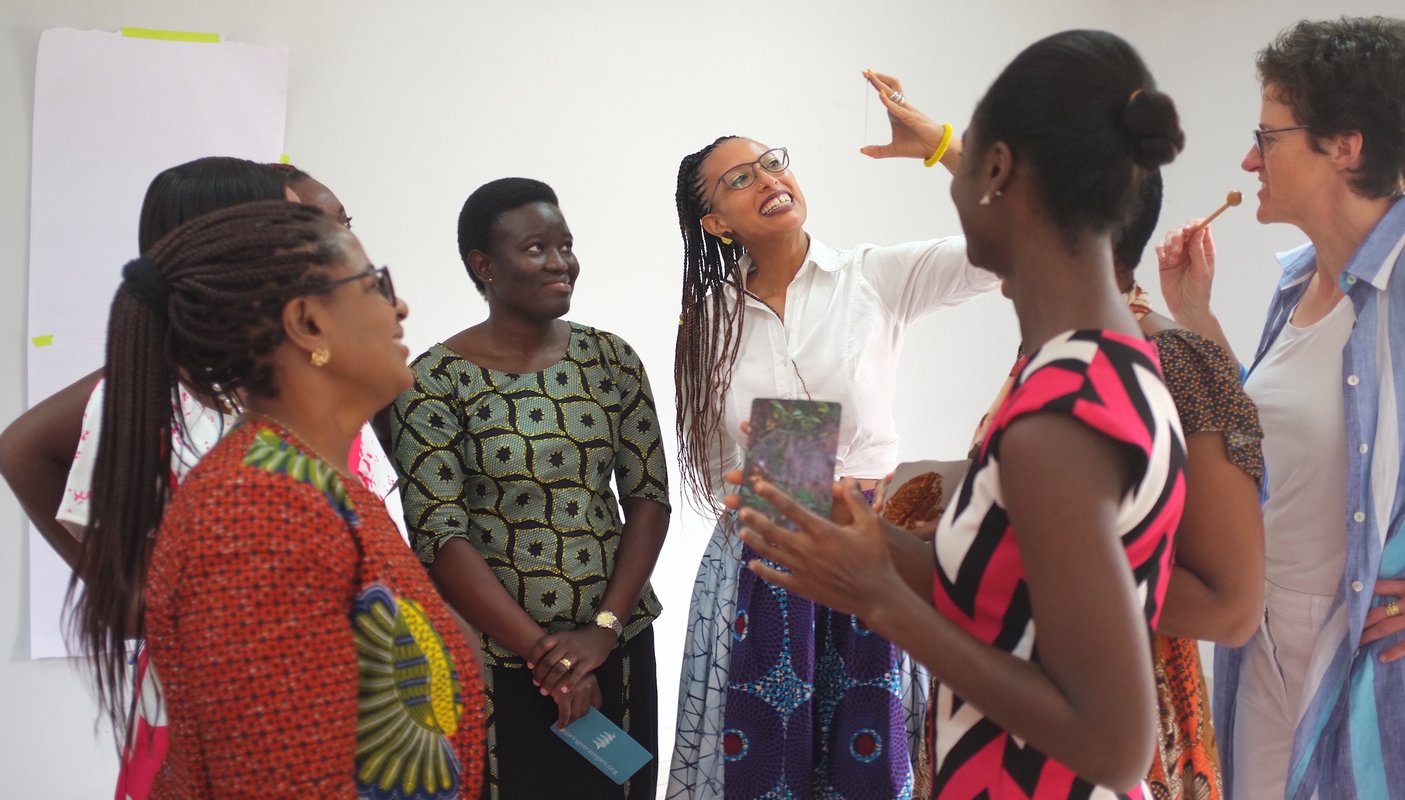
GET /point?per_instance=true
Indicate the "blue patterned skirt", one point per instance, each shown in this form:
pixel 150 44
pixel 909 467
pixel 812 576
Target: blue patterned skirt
pixel 783 698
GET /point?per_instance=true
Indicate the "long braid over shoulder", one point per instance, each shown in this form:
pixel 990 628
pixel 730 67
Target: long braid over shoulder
pixel 709 333
pixel 203 308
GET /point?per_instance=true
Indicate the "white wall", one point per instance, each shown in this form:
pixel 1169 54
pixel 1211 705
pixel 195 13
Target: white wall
pixel 405 108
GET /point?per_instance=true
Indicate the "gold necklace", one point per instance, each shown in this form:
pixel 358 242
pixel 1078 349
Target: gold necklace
pixel 302 443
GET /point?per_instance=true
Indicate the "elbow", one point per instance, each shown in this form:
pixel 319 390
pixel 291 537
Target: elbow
pixel 1120 759
pixel 15 451
pixel 1242 616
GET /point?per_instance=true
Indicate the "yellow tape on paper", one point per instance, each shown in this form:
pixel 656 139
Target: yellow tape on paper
pixel 42 341
pixel 170 36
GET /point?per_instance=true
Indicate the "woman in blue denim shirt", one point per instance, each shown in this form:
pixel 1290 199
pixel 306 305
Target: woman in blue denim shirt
pixel 1314 705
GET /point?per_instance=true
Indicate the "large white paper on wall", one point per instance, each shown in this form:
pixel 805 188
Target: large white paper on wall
pixel 109 113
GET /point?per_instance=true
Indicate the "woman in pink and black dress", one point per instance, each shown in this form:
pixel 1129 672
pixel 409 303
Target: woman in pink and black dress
pixel 1033 612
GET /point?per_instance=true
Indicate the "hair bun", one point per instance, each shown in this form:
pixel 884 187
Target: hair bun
pixel 1153 128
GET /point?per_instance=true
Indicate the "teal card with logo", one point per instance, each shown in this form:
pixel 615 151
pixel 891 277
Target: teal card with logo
pixel 605 745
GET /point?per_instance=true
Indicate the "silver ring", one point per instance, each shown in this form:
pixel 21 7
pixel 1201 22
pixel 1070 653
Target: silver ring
pixel 896 97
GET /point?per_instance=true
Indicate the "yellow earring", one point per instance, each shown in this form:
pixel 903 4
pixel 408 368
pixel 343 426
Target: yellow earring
pixel 320 356
pixel 725 240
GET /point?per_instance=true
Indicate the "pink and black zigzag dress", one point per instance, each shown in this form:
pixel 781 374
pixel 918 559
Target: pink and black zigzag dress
pixel 1111 383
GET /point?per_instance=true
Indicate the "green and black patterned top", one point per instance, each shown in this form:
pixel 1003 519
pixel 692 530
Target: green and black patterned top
pixel 519 466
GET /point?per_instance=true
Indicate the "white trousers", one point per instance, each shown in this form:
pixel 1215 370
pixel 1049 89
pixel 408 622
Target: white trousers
pixel 1272 693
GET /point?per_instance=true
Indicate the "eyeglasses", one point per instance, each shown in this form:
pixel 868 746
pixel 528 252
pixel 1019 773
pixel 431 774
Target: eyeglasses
pixel 383 283
pixel 774 161
pixel 1259 134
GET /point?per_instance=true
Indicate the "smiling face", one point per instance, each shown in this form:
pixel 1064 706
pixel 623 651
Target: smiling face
pixel 769 205
pixel 1292 175
pixel 362 327
pixel 530 267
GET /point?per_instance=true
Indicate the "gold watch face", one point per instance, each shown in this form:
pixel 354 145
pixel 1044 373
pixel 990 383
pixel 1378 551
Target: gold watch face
pixel 606 619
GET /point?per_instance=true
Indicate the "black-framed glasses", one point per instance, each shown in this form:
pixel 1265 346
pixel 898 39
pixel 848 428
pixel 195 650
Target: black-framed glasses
pixel 1259 134
pixel 774 161
pixel 384 285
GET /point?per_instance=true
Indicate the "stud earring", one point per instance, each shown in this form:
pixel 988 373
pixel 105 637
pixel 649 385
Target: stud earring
pixel 985 199
pixel 320 356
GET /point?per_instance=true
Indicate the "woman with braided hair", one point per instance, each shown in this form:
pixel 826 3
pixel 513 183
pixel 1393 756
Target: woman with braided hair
pixel 768 311
pixel 48 453
pixel 1033 604
pixel 302 650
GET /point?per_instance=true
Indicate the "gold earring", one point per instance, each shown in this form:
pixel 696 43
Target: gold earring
pixel 725 240
pixel 320 356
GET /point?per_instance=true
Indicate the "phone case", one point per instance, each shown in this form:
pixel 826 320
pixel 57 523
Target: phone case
pixel 792 444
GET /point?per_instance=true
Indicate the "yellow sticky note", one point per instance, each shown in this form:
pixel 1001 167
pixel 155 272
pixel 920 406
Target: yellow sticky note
pixel 43 341
pixel 170 36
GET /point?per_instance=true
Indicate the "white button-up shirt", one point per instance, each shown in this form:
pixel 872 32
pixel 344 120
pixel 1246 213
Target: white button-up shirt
pixel 846 312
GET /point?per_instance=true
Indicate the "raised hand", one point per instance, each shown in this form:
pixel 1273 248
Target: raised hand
pixel 914 135
pixel 842 565
pixel 1186 258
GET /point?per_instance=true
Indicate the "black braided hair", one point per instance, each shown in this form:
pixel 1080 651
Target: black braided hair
pixel 227 276
pixel 709 332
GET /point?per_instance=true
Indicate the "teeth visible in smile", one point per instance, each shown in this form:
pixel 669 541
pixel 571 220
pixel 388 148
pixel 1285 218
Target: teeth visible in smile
pixel 779 201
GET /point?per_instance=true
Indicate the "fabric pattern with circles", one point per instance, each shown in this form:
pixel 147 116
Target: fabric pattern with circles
pixel 520 466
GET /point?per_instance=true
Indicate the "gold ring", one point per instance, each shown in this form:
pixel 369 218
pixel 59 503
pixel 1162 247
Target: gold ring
pixel 566 662
pixel 1392 609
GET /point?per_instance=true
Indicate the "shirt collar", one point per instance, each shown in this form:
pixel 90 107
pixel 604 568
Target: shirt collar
pixel 820 255
pixel 1373 262
pixel 1375 259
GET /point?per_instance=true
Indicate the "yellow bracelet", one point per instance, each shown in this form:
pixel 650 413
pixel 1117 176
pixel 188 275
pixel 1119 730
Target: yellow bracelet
pixel 937 154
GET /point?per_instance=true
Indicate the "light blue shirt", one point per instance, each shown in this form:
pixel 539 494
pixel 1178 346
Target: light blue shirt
pixel 1350 742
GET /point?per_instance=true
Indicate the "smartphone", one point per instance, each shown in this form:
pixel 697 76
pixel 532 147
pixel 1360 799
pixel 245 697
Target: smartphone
pixel 792 445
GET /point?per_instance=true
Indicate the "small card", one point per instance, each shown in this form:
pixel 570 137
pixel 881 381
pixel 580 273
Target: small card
pixel 605 745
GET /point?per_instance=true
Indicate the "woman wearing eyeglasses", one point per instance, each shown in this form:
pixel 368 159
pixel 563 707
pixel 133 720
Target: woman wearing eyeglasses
pixel 1311 707
pixel 508 443
pixel 302 650
pixel 48 453
pixel 778 693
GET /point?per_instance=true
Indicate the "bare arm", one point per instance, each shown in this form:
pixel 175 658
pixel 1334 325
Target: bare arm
pixel 912 557
pixel 36 451
pixel 1088 702
pixel 1217 587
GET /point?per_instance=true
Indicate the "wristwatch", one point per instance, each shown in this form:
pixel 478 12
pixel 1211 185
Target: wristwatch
pixel 607 619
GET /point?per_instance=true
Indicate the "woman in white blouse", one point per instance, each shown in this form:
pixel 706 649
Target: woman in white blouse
pixel 777 692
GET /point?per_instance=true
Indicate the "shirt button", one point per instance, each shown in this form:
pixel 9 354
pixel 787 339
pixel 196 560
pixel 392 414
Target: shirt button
pixel 1348 279
pixel 1357 586
pixel 1363 447
pixel 1352 380
pixel 1359 517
